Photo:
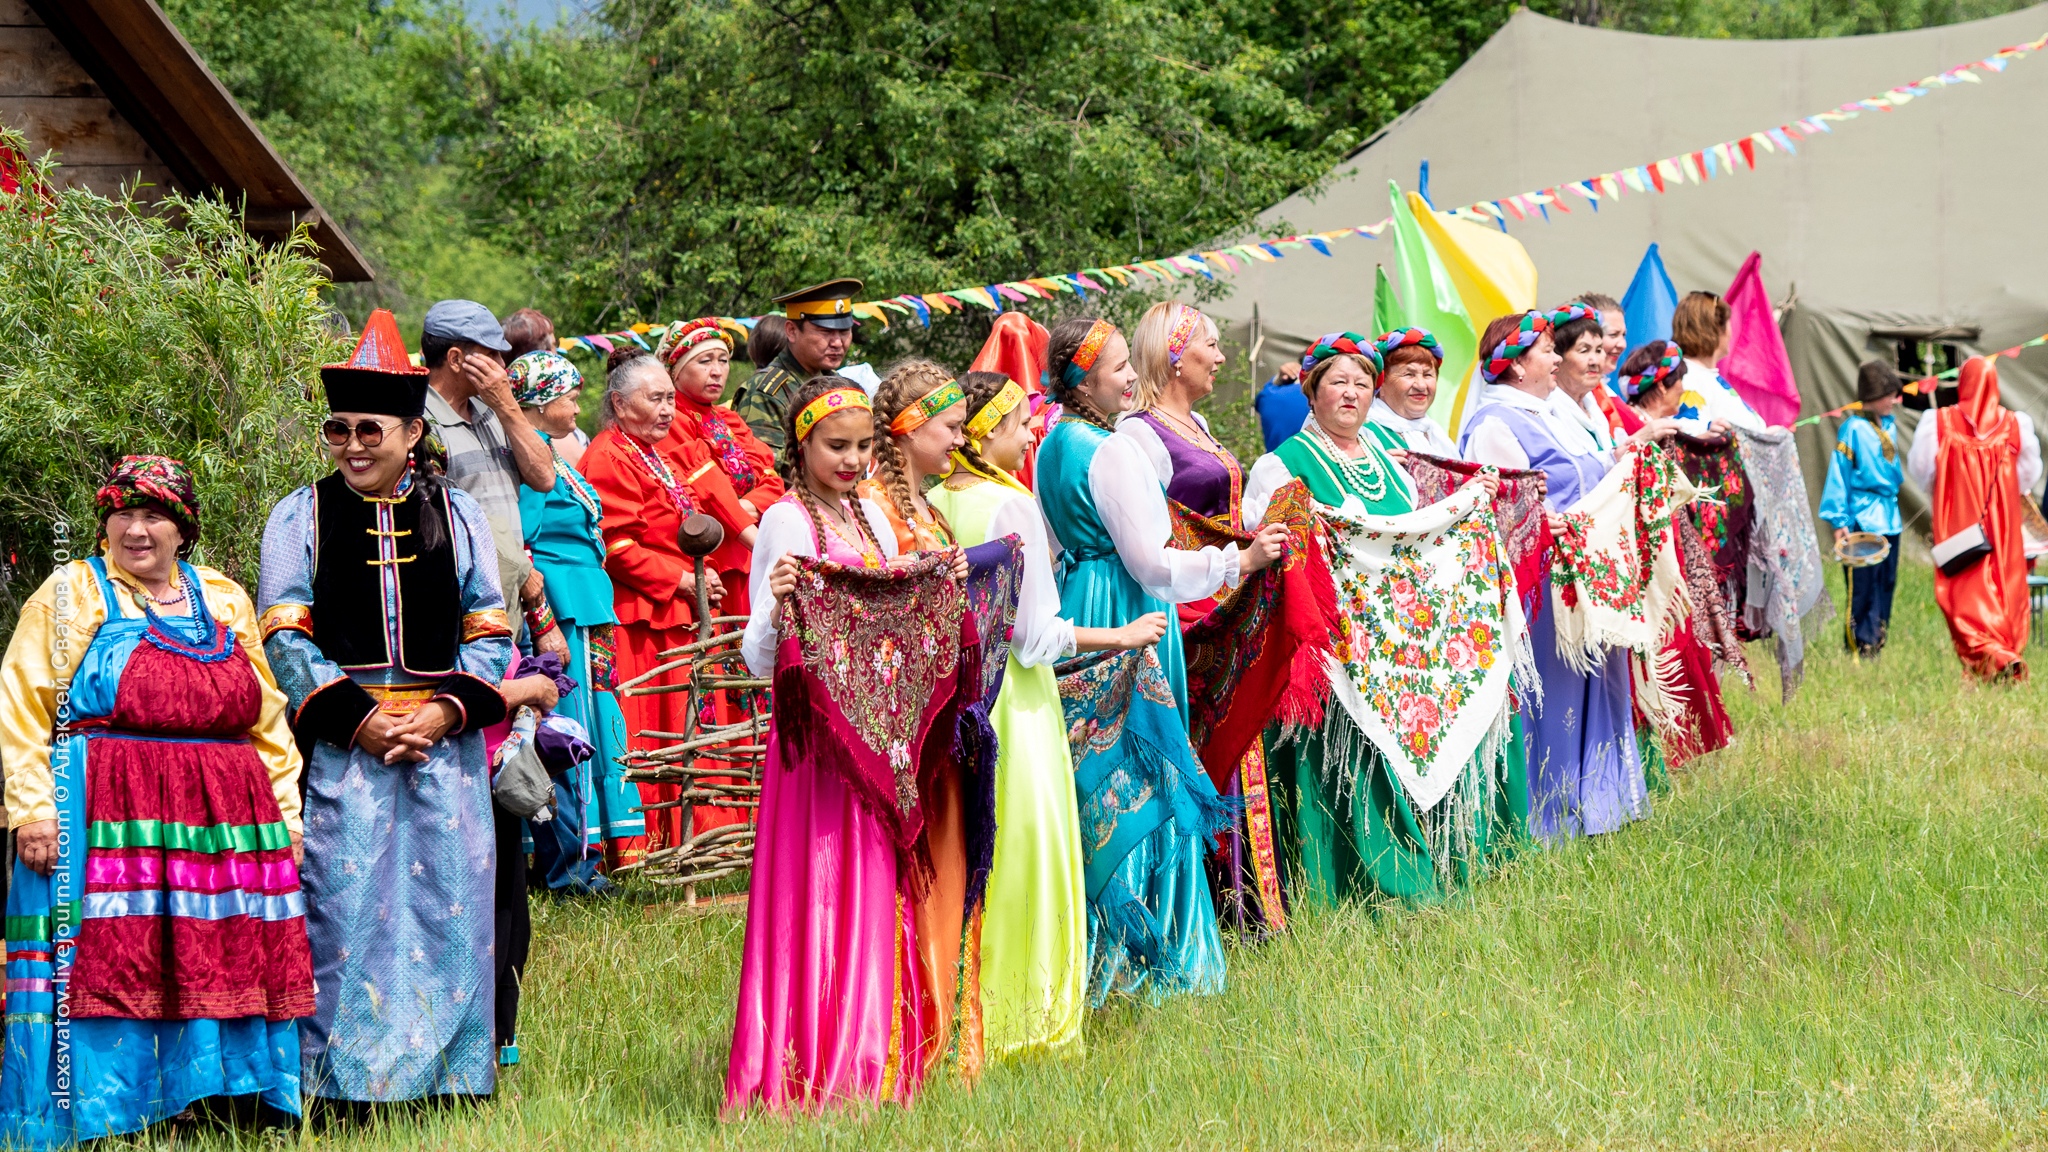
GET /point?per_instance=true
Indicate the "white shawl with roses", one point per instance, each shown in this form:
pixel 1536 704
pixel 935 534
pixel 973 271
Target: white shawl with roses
pixel 1615 580
pixel 1429 630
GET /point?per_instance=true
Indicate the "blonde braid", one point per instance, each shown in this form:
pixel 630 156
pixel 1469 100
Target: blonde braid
pixel 906 383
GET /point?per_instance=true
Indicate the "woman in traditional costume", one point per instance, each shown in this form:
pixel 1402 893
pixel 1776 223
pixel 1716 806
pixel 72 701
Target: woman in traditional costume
pixel 921 409
pixel 1585 772
pixel 1652 380
pixel 596 808
pixel 648 487
pixel 1151 923
pixel 384 623
pixel 1410 358
pixel 741 481
pixel 1977 460
pixel 1177 357
pixel 1351 826
pixel 832 1008
pixel 152 785
pixel 1034 938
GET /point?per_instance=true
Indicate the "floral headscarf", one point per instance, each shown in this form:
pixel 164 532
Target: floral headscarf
pixel 541 378
pixel 152 481
pixel 683 336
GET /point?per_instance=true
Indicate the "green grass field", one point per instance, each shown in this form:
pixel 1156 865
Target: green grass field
pixel 1830 936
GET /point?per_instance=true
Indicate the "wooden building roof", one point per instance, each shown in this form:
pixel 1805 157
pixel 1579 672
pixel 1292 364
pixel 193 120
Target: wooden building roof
pixel 119 95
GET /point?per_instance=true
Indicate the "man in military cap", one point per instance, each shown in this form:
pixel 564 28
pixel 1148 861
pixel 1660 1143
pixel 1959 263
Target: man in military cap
pixel 820 329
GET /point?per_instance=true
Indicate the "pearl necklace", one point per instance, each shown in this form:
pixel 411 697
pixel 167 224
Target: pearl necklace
pixel 1364 474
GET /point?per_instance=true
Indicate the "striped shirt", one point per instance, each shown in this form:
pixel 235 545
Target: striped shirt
pixel 480 463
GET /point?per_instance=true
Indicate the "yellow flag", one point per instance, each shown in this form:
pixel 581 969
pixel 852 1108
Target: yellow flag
pixel 1492 272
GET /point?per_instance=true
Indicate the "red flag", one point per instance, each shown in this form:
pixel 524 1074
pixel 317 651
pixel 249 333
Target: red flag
pixel 1748 152
pixel 1657 177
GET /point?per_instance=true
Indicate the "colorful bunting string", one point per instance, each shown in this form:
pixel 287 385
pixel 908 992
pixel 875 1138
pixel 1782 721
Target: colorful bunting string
pixel 1709 163
pixel 1925 385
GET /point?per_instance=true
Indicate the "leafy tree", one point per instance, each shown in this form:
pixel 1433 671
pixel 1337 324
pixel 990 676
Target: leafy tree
pixel 127 330
pixel 694 157
pixel 365 99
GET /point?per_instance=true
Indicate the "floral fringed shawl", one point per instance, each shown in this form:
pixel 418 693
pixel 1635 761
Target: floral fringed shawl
pixel 995 573
pixel 1133 772
pixel 1615 577
pixel 1784 558
pixel 1518 510
pixel 870 666
pixel 1257 658
pixel 1723 515
pixel 1429 631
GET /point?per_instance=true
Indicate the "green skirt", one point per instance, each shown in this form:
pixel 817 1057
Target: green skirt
pixel 1349 831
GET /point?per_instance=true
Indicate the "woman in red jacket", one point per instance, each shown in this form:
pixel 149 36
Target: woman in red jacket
pixel 649 483
pixel 735 470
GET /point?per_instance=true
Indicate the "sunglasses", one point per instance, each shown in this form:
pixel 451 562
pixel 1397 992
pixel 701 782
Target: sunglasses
pixel 369 433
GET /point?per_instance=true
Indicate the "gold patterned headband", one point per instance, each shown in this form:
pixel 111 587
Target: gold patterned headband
pixel 837 400
pixel 992 413
pixel 927 406
pixel 1091 345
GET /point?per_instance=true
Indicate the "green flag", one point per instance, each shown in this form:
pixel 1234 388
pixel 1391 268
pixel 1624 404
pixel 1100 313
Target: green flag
pixel 1429 300
pixel 1386 311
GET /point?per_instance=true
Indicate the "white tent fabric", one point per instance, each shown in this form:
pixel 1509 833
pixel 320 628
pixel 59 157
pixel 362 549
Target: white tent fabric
pixel 1926 216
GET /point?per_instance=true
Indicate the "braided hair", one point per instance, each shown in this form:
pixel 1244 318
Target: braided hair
pixel 429 467
pixel 791 462
pixel 1063 342
pixel 908 382
pixel 981 387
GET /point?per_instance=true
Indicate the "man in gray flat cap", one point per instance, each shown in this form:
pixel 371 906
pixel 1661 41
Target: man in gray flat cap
pixel 476 422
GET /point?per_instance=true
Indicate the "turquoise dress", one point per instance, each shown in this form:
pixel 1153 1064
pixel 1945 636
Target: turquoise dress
pixel 1179 949
pixel 562 534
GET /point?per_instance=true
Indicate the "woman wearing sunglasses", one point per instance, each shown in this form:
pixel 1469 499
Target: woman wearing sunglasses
pixel 383 621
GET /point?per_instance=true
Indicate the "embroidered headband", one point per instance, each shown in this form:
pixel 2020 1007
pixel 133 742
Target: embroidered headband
pixel 684 335
pixel 1403 337
pixel 1000 405
pixel 927 406
pixel 1183 333
pixel 1085 356
pixel 541 378
pixel 837 400
pixel 1342 344
pixel 1532 328
pixel 1655 374
pixel 157 480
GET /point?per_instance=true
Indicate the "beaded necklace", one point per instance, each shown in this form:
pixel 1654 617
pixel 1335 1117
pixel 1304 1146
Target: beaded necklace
pixel 583 493
pixel 1363 475
pixel 858 541
pixel 658 469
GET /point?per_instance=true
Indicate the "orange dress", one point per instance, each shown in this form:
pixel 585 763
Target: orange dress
pixel 1976 481
pixel 641 517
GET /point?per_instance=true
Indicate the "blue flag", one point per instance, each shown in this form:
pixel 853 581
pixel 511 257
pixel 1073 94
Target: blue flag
pixel 1650 302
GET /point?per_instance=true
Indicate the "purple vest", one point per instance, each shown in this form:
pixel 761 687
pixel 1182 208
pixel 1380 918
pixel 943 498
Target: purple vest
pixel 1570 476
pixel 1203 482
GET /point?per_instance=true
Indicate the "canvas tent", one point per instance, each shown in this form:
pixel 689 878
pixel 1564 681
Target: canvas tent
pixel 1921 224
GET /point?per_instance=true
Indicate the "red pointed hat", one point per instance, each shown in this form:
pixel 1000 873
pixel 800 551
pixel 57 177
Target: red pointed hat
pixel 379 378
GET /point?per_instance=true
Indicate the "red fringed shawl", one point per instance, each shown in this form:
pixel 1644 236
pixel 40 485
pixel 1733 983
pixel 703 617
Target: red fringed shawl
pixel 1258 656
pixel 869 680
pixel 1517 507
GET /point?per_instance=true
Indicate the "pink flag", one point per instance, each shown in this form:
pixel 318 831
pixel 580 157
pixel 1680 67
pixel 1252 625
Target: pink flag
pixel 1756 365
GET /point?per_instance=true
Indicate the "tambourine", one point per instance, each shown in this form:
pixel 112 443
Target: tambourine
pixel 1862 549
